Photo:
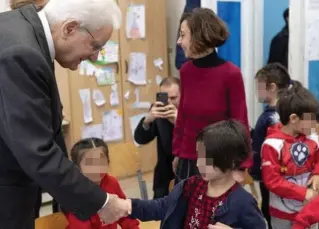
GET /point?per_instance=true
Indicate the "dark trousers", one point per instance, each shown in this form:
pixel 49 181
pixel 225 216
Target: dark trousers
pixel 38 204
pixel 265 203
pixel 55 206
pixel 185 169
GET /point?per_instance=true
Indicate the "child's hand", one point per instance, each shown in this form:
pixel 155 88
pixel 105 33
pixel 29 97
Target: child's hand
pixel 314 182
pixel 310 194
pixel 218 226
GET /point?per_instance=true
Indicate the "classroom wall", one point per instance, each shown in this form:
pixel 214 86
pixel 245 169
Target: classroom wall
pixel 273 21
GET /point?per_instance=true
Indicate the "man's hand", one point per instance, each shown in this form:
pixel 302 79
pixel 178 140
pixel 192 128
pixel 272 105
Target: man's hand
pixel 115 209
pixel 314 182
pixel 157 111
pixel 218 226
pixel 174 164
pixel 171 113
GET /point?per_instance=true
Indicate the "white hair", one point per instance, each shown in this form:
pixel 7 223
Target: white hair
pixel 91 14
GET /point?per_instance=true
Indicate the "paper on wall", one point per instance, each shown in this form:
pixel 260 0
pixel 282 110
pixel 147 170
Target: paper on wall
pixel 112 126
pixel 127 95
pixel 158 79
pixel 85 95
pixel 98 97
pixel 149 81
pixel 135 22
pixel 140 104
pixel 86 68
pixel 82 68
pixel 105 76
pixel 109 53
pixel 312 34
pixel 137 68
pixel 114 96
pixel 134 121
pixel 158 63
pixel 92 131
pixel 313 4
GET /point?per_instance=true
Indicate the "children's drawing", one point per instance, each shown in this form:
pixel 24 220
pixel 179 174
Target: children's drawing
pixel 135 22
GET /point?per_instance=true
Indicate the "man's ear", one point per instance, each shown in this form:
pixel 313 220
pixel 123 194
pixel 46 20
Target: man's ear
pixel 69 27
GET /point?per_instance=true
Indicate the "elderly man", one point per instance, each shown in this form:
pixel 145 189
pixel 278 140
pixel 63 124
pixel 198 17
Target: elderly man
pixel 30 109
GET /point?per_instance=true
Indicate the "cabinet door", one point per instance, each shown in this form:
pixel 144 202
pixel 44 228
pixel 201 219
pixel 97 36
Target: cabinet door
pixel 154 45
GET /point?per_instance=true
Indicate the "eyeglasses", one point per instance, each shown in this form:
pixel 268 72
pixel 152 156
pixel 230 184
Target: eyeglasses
pixel 95 44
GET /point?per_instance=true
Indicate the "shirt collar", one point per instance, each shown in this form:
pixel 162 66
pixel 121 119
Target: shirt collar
pixel 47 32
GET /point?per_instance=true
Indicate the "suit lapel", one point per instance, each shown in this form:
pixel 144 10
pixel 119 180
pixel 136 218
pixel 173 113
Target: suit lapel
pixel 30 14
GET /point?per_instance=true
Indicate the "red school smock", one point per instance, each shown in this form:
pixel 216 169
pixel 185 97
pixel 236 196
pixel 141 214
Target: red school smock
pixel 110 185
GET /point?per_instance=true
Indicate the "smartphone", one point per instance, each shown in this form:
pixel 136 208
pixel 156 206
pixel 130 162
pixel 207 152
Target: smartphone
pixel 162 97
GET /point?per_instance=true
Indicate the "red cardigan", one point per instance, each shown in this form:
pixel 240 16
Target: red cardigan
pixel 110 185
pixel 212 90
pixel 308 215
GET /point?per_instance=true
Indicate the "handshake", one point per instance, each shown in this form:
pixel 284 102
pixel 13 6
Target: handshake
pixel 115 209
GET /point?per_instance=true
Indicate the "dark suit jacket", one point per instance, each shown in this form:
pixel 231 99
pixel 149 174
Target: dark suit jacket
pixel 279 48
pixel 31 144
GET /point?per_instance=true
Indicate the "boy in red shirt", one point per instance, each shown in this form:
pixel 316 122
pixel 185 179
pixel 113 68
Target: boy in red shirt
pixel 290 157
pixel 92 157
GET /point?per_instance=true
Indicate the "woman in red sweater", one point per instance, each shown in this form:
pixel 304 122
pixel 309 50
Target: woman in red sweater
pixel 212 89
pixel 92 157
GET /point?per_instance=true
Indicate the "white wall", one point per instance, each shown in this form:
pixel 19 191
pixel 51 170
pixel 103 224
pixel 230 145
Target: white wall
pixel 174 12
pixel 297 62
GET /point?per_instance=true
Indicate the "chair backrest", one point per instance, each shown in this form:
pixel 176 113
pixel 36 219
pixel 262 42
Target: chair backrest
pixel 53 221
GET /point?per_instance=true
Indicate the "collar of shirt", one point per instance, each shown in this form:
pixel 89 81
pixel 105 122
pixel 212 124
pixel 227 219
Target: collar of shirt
pixel 47 32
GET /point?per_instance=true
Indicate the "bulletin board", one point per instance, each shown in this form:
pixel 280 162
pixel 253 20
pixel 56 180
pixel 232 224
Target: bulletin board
pixel 134 97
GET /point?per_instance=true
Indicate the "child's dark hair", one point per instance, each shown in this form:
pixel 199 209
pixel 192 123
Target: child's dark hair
pixel 227 144
pixel 297 101
pixel 277 74
pixel 78 150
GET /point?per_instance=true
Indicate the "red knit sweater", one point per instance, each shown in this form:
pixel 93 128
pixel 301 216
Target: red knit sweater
pixel 110 185
pixel 212 90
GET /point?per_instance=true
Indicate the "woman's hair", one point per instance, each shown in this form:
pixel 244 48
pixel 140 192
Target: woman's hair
pixel 206 28
pixel 227 144
pixel 297 101
pixel 277 74
pixel 90 14
pixel 81 147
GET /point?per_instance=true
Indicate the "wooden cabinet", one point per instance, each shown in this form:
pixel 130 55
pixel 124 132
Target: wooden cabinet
pixel 125 157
